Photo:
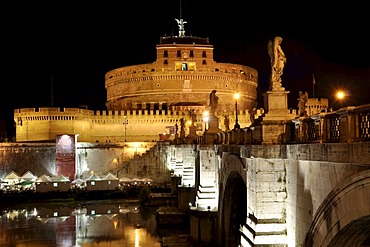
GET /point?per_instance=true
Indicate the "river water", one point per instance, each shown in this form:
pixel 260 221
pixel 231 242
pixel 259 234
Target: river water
pixel 95 223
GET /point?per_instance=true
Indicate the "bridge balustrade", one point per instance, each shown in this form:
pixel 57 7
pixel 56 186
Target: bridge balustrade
pixel 349 124
pixel 364 125
pixel 242 136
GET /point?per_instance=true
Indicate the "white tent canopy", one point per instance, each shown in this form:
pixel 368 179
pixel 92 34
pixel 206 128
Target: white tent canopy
pixel 28 175
pixel 125 179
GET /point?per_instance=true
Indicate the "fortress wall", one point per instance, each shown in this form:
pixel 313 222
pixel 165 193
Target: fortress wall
pixel 155 69
pixel 126 93
pixel 151 164
pixel 39 158
pixel 99 159
pixel 109 126
pixel 158 83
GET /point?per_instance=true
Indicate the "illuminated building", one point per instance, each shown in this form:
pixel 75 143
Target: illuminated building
pixel 144 101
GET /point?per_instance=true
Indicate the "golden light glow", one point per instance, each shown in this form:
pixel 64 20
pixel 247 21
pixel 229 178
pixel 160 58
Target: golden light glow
pixel 205 116
pixel 137 238
pixel 236 96
pixel 115 162
pixel 340 95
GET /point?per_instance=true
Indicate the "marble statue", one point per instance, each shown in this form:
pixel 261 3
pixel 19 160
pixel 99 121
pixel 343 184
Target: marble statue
pixel 303 97
pixel 278 61
pixel 213 101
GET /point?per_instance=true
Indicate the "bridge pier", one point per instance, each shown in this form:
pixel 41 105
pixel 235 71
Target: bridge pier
pixel 203 227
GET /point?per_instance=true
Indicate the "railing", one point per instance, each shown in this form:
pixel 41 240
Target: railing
pixel 349 124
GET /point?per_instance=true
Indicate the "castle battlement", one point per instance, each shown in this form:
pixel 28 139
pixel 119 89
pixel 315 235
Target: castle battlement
pixel 35 124
pixel 51 110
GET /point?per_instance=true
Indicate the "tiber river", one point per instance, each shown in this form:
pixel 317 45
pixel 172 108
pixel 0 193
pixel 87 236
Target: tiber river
pixel 97 223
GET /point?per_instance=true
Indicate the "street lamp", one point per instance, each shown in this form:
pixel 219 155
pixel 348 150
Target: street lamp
pixel 236 97
pixel 205 119
pixel 340 95
pixel 125 123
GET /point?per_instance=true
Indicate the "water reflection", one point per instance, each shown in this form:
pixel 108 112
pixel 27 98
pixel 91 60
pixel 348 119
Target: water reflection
pixel 92 224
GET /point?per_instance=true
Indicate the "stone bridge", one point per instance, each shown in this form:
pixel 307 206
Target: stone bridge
pixel 312 193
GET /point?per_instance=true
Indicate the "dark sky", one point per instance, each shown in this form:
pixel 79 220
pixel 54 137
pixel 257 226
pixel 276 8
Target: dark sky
pixel 71 46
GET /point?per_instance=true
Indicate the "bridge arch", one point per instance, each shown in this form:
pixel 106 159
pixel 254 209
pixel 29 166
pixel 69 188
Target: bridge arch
pixel 343 219
pixel 233 201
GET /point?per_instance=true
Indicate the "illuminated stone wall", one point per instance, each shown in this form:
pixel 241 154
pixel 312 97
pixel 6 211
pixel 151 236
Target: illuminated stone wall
pixel 317 105
pixel 43 124
pixel 287 186
pixel 165 83
pixel 39 158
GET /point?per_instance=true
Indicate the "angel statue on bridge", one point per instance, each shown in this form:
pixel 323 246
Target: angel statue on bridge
pixel 278 61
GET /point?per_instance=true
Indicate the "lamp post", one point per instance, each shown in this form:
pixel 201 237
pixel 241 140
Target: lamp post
pixel 205 119
pixel 236 97
pixel 125 123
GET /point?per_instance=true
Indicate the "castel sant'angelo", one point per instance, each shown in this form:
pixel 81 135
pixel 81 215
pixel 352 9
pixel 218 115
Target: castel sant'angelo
pixel 151 102
pixel 184 96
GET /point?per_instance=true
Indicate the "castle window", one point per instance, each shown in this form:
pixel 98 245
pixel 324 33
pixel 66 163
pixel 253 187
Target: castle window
pixel 184 66
pixel 165 53
pixel 191 53
pixel 204 62
pixel 165 62
pixel 204 54
pixel 178 53
pixel 191 66
pixel 180 66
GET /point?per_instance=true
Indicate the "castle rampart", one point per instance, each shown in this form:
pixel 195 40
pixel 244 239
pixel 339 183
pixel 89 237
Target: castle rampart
pixel 43 124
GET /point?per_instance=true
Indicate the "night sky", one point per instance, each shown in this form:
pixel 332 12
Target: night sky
pixel 56 54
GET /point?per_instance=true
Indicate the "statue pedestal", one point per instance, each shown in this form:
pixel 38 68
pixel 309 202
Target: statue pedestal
pixel 192 137
pixel 276 103
pixel 182 133
pixel 192 132
pixel 274 125
pixel 210 135
pixel 213 124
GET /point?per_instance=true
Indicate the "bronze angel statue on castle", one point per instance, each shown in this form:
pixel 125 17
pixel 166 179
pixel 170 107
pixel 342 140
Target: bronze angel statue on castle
pixel 278 61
